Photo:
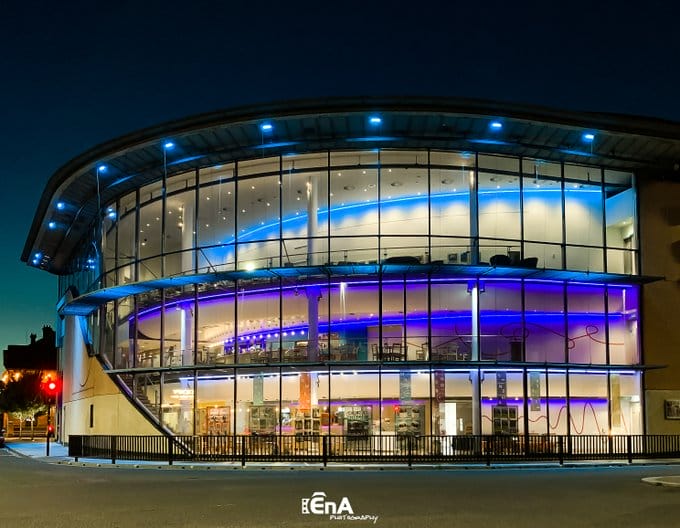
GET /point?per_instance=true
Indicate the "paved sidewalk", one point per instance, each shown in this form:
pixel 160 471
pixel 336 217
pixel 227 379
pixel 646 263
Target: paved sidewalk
pixel 59 455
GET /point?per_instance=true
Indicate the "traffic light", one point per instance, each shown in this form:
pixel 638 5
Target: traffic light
pixel 50 386
pixel 50 431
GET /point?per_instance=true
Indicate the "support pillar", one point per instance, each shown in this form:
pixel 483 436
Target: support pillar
pixel 474 373
pixel 313 257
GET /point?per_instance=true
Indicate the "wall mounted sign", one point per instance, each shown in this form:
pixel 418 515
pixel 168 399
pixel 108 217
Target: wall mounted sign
pixel 535 390
pixel 404 385
pixel 501 387
pixel 672 409
pixel 258 389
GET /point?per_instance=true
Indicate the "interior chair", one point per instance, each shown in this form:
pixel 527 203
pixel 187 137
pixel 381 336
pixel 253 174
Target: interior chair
pixel 500 260
pixel 529 262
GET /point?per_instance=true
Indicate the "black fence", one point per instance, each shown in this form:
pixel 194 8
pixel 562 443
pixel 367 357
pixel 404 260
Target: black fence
pixel 374 449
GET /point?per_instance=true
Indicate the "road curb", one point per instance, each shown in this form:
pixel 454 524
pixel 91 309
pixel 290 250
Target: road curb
pixel 669 482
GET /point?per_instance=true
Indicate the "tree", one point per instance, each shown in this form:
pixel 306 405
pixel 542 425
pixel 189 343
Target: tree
pixel 23 398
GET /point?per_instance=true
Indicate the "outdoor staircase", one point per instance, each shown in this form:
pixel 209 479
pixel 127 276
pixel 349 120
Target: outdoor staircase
pixel 138 394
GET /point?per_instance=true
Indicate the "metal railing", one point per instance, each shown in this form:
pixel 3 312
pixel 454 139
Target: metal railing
pixel 404 449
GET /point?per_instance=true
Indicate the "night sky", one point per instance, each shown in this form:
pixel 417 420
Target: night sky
pixel 75 74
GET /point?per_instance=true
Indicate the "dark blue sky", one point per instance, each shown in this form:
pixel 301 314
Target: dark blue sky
pixel 74 74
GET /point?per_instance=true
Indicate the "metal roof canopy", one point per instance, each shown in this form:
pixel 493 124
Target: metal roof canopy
pixel 621 142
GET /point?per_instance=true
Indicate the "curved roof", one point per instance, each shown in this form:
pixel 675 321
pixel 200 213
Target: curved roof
pixel 627 142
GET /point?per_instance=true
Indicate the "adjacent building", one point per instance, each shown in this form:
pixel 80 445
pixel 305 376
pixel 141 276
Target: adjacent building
pixel 369 266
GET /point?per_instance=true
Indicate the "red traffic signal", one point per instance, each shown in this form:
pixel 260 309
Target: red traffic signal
pixel 50 386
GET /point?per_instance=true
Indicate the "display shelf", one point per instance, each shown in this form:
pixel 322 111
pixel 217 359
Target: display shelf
pixel 263 419
pixel 408 420
pixel 307 422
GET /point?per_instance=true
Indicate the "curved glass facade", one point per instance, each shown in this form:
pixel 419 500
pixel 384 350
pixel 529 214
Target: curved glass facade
pixel 380 291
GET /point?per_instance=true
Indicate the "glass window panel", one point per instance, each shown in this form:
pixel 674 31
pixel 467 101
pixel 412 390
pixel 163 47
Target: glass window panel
pixel 451 404
pixel 354 406
pixel 180 320
pixel 216 326
pixel 404 250
pixel 450 200
pixel 305 216
pixel 178 402
pixel 557 397
pixel 216 173
pixel 452 159
pixel 586 259
pixel 354 317
pixel 404 407
pixel 416 311
pixel 148 327
pixel 402 158
pixel 215 404
pixel 623 317
pixel 621 222
pixel 498 163
pixel 124 334
pixel 451 321
pixel 153 191
pixel 259 324
pixel 583 205
pixel 544 322
pixel 537 405
pixel 625 390
pixel 109 233
pixel 180 231
pixel 502 415
pixel 586 324
pixel 258 223
pixel 216 218
pixel 147 392
pixel 300 300
pixel 499 216
pixel 500 322
pixel 354 208
pixel 316 160
pixel 128 203
pixel 108 350
pixel 588 404
pixel 258 166
pixel 542 201
pixel 126 248
pixel 540 256
pixel 403 200
pixel 150 226
pixel 180 182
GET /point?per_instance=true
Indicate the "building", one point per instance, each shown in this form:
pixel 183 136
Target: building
pixel 369 266
pixel 38 358
pixel 40 355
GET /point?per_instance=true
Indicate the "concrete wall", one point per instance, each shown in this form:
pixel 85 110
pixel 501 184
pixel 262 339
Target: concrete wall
pixel 660 249
pixel 86 384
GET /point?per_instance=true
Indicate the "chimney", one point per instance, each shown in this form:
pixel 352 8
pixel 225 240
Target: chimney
pixel 33 337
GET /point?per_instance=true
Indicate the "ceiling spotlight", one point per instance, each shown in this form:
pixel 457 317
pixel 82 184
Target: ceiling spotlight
pixel 61 205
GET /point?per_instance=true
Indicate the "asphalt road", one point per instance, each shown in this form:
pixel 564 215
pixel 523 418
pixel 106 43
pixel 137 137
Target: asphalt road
pixel 36 494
